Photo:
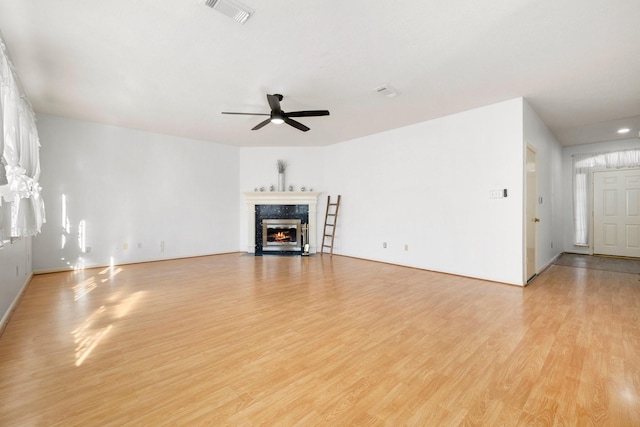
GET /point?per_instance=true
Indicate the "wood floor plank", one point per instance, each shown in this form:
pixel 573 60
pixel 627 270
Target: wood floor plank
pixel 242 340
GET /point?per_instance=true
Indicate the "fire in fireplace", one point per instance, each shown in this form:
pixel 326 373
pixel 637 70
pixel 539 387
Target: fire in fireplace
pixel 281 235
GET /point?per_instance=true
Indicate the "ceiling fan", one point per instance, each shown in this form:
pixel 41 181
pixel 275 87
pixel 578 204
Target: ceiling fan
pixel 278 116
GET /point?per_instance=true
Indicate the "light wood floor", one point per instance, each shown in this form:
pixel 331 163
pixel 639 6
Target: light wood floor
pixel 242 340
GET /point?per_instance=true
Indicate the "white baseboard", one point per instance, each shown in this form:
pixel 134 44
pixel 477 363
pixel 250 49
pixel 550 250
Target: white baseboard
pixel 550 263
pixel 130 262
pixel 7 315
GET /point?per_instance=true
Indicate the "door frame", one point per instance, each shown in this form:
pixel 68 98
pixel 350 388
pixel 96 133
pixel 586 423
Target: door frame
pixel 526 273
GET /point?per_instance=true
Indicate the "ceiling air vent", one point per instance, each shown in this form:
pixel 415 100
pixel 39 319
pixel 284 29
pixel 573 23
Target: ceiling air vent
pixel 386 90
pixel 231 8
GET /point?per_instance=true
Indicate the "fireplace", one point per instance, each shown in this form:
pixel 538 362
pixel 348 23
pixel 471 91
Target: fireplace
pixel 278 229
pixel 281 206
pixel 281 235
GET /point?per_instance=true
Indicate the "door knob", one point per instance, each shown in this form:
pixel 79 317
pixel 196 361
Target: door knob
pixel 536 219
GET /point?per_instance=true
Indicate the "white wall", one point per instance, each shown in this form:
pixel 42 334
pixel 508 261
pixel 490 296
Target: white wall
pixel 567 182
pixel 427 186
pixel 15 273
pixel 133 190
pixel 549 157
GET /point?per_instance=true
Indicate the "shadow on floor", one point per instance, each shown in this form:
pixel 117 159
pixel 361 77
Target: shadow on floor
pixel 620 265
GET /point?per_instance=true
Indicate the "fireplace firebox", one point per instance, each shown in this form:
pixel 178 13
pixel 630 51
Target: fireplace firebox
pixel 281 235
pixel 278 229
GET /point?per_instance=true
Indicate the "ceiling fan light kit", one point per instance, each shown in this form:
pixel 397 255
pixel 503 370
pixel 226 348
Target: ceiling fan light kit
pixel 277 116
pixel 232 8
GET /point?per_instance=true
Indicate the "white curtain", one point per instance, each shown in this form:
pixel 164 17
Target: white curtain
pixel 583 166
pixel 21 207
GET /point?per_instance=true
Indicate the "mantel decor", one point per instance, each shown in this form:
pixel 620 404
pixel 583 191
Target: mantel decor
pixel 282 166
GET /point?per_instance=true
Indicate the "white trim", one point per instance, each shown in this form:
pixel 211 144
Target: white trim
pixel 550 263
pixel 7 314
pixel 141 261
pixel 525 200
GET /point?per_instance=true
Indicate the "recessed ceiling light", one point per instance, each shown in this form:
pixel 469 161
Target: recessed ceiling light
pixel 624 130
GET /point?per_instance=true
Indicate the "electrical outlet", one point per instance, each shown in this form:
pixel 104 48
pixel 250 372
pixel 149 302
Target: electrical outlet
pixel 139 245
pixel 384 245
pixel 162 246
pixel 406 247
pixel 125 246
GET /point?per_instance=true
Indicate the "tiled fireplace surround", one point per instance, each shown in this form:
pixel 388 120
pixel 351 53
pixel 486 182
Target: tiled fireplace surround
pixel 281 199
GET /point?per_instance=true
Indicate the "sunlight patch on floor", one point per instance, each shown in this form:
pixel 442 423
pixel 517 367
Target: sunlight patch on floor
pixel 127 304
pixel 84 288
pixel 87 338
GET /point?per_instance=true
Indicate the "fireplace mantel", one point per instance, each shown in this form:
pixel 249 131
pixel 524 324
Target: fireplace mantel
pixel 282 197
pixel 254 198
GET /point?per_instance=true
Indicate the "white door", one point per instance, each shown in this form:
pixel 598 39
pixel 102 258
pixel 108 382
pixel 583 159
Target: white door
pixel 531 215
pixel 616 213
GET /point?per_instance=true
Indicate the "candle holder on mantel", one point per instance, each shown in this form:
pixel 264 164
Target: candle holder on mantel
pixel 282 166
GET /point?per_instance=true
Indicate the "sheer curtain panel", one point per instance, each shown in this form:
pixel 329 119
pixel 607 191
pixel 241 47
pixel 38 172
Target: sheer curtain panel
pixel 21 207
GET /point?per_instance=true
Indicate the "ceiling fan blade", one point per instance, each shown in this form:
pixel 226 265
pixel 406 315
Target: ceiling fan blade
pixel 274 102
pixel 261 124
pixel 248 114
pixel 295 124
pixel 311 113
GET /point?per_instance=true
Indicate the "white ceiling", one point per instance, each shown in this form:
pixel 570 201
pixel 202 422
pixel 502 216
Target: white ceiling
pixel 171 66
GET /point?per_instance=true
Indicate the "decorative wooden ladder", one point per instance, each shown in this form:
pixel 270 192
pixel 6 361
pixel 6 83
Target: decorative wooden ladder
pixel 330 219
